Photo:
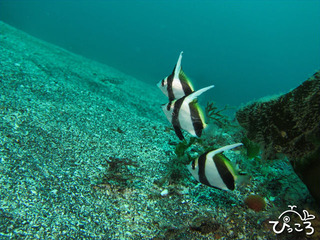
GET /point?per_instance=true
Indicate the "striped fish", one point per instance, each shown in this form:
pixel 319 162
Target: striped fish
pixel 215 170
pixel 186 114
pixel 177 84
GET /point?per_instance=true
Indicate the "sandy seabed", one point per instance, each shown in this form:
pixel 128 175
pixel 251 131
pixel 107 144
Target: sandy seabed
pixel 82 145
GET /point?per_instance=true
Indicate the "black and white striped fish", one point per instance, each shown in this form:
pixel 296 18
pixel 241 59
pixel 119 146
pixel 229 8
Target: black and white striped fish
pixel 215 170
pixel 177 84
pixel 186 114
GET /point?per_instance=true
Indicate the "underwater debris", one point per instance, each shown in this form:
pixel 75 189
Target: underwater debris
pixel 118 176
pixel 255 202
pixel 289 125
pixel 204 225
pixel 119 130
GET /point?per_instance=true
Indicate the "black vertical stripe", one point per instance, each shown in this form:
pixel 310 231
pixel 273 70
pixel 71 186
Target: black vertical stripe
pixel 178 132
pixel 184 83
pixel 196 120
pixel 223 170
pixel 186 88
pixel 175 117
pixel 175 113
pixel 169 85
pixel 202 169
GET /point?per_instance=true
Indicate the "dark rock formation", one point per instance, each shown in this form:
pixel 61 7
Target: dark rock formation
pixel 289 124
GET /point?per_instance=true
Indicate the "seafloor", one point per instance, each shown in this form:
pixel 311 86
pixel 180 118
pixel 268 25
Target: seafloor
pixel 85 153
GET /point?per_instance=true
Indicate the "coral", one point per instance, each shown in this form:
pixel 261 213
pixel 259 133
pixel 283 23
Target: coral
pixel 255 202
pixel 289 125
pixel 214 115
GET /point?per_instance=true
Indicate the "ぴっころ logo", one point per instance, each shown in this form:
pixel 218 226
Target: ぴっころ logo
pixel 285 219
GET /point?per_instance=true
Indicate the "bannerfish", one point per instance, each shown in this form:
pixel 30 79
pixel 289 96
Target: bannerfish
pixel 177 84
pixel 185 113
pixel 215 170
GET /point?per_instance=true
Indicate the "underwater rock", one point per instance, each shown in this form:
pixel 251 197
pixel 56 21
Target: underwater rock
pixel 290 125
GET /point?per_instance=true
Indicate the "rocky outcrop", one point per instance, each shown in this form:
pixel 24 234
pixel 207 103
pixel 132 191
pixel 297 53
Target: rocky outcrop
pixel 290 125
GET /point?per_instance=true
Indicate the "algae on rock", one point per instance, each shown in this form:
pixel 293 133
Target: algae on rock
pixel 290 125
